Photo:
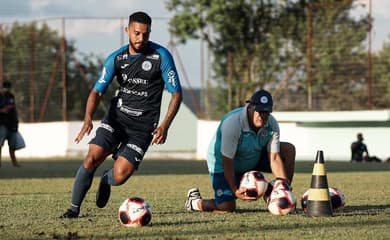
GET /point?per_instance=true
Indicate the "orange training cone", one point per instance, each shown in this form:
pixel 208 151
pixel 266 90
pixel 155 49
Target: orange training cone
pixel 318 201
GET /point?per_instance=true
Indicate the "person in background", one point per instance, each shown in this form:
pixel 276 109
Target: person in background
pixel 359 152
pixel 247 139
pixel 9 123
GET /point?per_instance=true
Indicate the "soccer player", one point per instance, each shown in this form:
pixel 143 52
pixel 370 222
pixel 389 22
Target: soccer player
pixel 142 69
pixel 247 139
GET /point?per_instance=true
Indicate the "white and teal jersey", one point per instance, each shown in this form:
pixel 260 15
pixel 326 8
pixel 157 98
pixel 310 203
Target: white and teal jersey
pixel 236 140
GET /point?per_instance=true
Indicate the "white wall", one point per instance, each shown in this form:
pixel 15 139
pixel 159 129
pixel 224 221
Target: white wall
pixel 189 138
pixel 56 139
pixel 334 141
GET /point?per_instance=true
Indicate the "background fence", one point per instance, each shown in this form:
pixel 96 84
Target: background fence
pixel 52 64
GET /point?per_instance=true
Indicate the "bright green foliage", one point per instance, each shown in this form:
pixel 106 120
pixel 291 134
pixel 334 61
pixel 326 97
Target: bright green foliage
pixel 381 77
pixel 29 52
pixel 264 44
pixel 339 56
pixel 32 61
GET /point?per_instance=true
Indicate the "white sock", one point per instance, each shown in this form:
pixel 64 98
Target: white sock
pixel 195 204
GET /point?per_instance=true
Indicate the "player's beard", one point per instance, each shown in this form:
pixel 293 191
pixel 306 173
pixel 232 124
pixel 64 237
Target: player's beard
pixel 137 49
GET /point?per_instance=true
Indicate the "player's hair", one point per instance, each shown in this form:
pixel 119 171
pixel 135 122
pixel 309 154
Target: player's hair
pixel 140 17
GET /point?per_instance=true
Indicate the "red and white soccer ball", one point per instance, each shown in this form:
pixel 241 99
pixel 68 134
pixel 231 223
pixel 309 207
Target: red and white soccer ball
pixel 135 212
pixel 255 182
pixel 337 199
pixel 281 202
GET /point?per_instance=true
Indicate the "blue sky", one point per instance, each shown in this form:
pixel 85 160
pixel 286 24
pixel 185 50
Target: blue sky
pixel 103 36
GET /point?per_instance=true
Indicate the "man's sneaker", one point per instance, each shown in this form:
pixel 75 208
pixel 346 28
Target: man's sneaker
pixel 193 194
pixel 69 214
pixel 103 193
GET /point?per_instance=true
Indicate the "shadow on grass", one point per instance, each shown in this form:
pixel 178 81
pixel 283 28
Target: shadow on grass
pixel 364 210
pixel 356 210
pixel 68 168
pixel 307 224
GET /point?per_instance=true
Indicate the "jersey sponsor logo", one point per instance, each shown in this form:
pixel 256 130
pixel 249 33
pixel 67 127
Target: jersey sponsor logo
pixel 137 81
pixel 125 65
pixel 101 79
pixel 134 92
pixel 154 57
pixel 172 78
pixel 135 148
pixel 146 65
pixel 131 112
pixel 107 127
pixel 124 56
pixel 127 110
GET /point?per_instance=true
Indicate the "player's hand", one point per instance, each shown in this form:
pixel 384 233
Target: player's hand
pixel 241 193
pixel 86 129
pixel 159 135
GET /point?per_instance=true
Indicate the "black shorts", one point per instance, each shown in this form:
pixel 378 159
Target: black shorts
pixel 264 165
pixel 127 143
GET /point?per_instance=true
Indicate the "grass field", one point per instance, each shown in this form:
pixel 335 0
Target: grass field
pixel 34 196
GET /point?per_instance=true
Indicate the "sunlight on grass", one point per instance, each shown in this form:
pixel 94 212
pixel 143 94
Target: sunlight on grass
pixel 30 205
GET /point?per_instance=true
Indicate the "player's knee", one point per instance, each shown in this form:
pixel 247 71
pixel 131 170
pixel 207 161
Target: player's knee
pixel 120 179
pixel 121 175
pixel 288 152
pixel 288 148
pixel 91 162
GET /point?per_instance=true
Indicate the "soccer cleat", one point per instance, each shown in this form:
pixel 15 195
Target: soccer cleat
pixel 103 193
pixel 193 194
pixel 69 214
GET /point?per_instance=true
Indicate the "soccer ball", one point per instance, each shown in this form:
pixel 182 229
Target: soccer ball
pixel 135 212
pixel 255 183
pixel 280 184
pixel 275 184
pixel 337 199
pixel 281 202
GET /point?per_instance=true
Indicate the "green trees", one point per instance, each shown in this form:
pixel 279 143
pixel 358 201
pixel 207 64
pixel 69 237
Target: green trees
pixel 273 44
pixel 381 75
pixel 34 61
pixel 291 48
pixel 28 54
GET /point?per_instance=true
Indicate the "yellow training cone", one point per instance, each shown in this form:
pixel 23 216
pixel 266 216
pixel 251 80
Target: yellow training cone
pixel 318 201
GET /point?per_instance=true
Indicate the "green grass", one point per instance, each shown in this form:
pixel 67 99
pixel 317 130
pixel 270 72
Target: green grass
pixel 34 196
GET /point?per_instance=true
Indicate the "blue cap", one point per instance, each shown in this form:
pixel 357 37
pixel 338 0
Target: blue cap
pixel 262 101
